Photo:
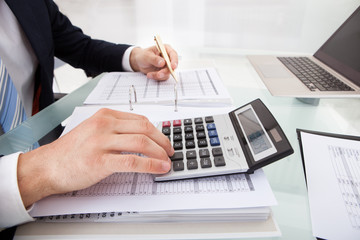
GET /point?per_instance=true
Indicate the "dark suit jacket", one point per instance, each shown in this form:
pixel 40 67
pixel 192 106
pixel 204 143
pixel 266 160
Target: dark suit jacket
pixel 51 34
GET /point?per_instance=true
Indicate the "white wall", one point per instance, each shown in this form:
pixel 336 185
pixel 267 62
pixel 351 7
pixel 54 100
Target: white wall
pixel 273 25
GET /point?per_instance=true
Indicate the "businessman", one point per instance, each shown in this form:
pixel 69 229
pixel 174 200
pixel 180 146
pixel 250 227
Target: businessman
pixel 32 33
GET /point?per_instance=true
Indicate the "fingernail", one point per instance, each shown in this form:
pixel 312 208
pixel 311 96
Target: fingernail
pixel 166 166
pixel 161 62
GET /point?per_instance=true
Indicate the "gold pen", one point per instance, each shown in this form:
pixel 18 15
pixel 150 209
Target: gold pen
pixel 161 48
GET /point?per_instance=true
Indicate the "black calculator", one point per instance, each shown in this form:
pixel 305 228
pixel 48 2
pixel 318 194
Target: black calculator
pixel 241 141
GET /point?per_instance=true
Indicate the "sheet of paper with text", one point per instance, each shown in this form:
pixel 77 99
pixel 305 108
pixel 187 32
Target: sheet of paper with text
pixel 194 86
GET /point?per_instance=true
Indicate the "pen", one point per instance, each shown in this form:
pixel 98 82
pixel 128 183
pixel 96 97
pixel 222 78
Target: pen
pixel 162 50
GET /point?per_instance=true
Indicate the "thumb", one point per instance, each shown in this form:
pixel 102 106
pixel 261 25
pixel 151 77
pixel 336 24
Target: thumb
pixel 150 62
pixel 158 62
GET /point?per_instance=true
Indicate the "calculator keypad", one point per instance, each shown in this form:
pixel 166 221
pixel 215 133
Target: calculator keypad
pixel 196 143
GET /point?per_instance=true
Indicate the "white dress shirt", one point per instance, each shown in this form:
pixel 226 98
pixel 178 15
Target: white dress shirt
pixel 21 63
pixel 17 53
pixel 12 210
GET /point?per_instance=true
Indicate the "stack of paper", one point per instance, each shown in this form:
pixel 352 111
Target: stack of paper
pixel 197 215
pixel 135 197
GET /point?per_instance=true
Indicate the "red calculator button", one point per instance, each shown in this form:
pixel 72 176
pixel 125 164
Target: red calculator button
pixel 166 124
pixel 176 123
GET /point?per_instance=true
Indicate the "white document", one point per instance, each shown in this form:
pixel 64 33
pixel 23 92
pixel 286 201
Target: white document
pixel 155 113
pixel 333 179
pixel 194 86
pixel 135 192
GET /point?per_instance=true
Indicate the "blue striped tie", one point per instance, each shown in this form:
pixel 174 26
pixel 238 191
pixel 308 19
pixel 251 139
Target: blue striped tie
pixel 12 112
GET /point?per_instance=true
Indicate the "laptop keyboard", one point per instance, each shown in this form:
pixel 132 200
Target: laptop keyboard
pixel 312 75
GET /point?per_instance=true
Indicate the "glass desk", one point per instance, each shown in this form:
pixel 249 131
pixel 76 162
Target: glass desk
pixel 36 127
pixel 285 176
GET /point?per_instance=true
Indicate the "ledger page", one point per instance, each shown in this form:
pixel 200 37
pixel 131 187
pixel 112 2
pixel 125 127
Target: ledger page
pixel 333 179
pixel 196 86
pixel 136 192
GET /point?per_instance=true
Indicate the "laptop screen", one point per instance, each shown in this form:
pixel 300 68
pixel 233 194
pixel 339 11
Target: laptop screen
pixel 341 51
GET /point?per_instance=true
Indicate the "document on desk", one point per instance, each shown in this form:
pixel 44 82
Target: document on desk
pixel 197 86
pixel 137 192
pixel 332 166
pixel 123 192
pixel 155 113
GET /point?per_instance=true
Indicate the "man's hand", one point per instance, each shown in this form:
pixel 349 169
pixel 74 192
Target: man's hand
pixel 150 62
pixel 91 152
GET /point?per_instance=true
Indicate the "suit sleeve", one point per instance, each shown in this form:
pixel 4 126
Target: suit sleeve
pixel 73 46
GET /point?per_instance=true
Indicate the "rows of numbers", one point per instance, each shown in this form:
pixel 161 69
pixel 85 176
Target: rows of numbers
pixel 346 164
pixel 126 184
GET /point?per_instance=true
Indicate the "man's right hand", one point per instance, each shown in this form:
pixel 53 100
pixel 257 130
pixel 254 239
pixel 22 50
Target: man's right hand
pixel 91 152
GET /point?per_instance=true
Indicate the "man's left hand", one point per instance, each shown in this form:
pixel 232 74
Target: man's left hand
pixel 150 62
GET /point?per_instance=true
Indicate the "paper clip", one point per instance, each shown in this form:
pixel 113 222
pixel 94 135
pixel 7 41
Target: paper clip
pixel 132 89
pixel 176 97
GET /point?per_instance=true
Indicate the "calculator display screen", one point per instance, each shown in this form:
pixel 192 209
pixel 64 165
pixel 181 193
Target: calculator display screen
pixel 260 144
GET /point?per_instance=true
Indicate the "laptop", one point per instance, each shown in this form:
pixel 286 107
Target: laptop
pixel 333 71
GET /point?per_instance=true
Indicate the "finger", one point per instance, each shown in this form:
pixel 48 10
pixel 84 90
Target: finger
pixel 155 50
pixel 144 127
pixel 116 122
pixel 159 62
pixel 134 163
pixel 153 58
pixel 136 143
pixel 161 75
pixel 119 114
pixel 174 59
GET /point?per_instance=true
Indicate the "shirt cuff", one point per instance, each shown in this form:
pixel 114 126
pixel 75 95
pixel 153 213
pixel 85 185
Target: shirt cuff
pixel 12 209
pixel 126 60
